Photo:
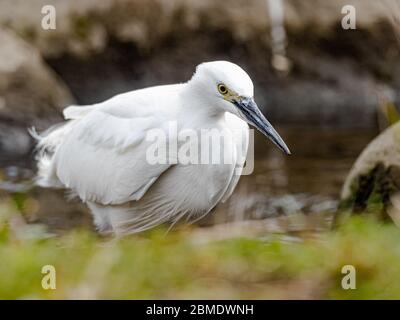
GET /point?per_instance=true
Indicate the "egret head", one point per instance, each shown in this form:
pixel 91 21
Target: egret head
pixel 228 87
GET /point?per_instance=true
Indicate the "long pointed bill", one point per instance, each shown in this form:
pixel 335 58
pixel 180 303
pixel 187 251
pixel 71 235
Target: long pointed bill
pixel 253 115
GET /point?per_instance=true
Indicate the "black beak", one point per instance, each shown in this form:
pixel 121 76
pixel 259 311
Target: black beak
pixel 253 115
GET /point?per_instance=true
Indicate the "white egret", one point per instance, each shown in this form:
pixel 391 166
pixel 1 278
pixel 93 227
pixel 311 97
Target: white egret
pixel 100 153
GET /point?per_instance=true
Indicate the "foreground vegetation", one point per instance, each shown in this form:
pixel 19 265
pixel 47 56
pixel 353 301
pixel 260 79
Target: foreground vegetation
pixel 177 265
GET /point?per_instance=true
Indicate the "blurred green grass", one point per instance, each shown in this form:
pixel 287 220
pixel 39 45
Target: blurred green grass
pixel 156 266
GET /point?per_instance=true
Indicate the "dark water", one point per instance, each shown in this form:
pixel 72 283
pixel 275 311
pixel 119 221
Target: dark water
pixel 308 181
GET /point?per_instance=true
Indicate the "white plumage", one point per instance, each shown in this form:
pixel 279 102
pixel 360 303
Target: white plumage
pixel 100 153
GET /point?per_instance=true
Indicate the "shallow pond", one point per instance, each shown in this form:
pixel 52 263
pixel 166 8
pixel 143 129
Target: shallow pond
pixel 309 181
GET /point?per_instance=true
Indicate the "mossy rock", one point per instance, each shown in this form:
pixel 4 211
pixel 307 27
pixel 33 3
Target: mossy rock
pixel 375 177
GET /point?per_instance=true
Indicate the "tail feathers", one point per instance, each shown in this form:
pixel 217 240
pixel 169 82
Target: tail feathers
pixel 47 143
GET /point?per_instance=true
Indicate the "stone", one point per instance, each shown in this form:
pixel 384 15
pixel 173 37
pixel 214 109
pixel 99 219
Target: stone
pixel 375 176
pixel 31 94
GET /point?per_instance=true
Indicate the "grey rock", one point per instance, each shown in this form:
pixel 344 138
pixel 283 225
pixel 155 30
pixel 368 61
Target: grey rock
pixel 30 93
pixel 384 150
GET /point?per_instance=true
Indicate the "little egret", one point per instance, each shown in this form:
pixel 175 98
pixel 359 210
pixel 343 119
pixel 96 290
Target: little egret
pixel 101 152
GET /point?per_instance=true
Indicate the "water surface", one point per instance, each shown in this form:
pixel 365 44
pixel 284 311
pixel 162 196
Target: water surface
pixel 309 181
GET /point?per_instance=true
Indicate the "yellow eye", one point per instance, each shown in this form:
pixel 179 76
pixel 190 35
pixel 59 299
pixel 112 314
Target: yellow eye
pixel 222 89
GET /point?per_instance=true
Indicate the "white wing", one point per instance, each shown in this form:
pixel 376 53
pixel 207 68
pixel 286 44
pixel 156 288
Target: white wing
pixel 103 158
pixel 240 131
